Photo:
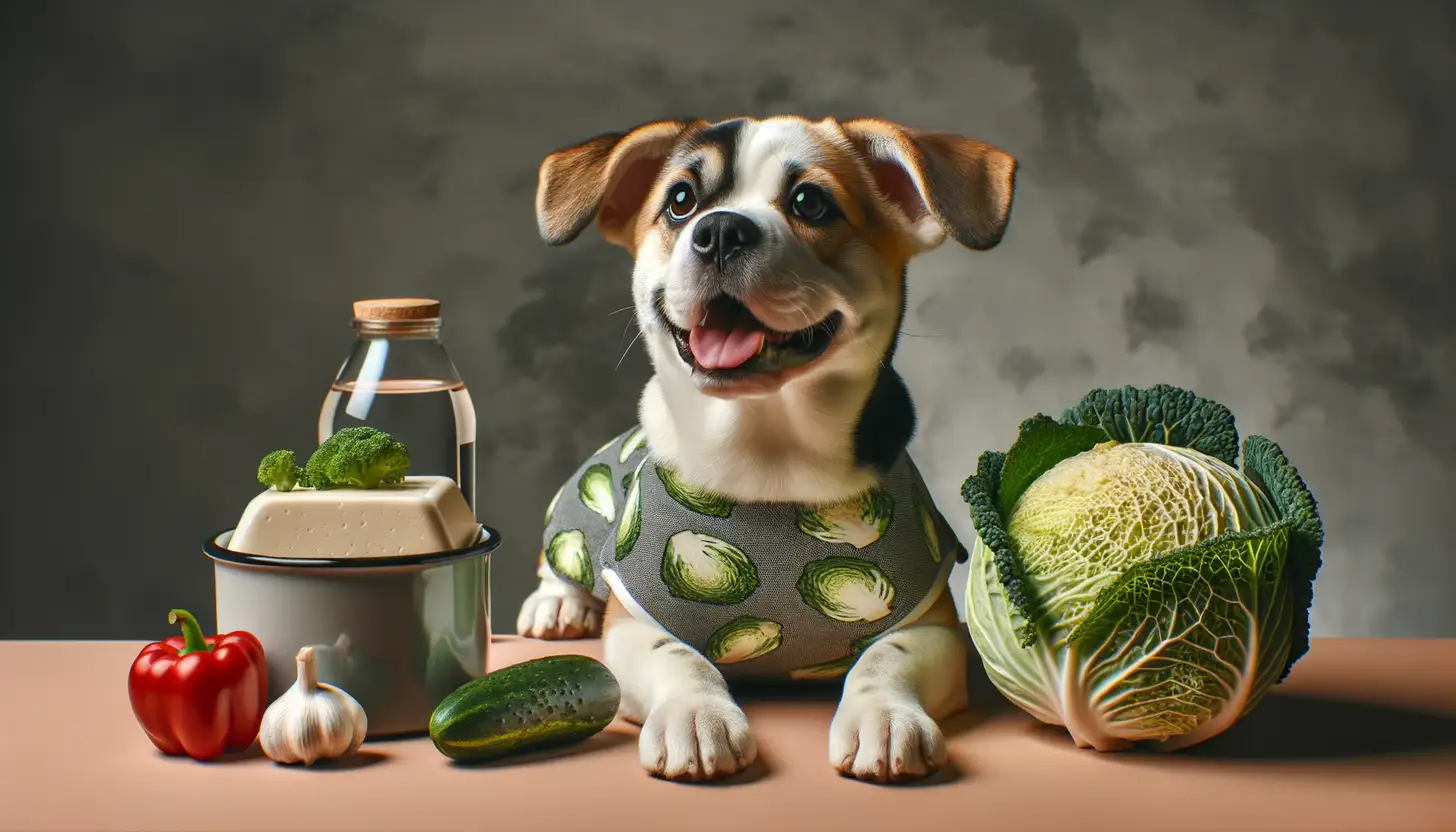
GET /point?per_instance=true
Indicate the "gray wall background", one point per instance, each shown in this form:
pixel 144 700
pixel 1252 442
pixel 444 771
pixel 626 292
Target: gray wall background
pixel 1254 200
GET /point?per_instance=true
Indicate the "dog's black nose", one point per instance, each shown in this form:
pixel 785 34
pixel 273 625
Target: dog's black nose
pixel 722 234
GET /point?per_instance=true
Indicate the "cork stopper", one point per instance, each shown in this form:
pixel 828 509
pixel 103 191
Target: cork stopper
pixel 396 309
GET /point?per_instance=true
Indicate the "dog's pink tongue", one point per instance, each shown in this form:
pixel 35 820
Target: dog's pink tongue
pixel 716 348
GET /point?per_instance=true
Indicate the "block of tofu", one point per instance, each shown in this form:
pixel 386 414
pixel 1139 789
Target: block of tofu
pixel 421 515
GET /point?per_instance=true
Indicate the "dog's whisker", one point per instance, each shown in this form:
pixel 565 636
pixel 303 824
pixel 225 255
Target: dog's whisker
pixel 620 311
pixel 801 307
pixel 627 350
pixel 801 283
pixel 804 313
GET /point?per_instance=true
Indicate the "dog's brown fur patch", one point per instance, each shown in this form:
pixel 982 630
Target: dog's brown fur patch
pixel 846 180
pixel 609 177
pixel 968 184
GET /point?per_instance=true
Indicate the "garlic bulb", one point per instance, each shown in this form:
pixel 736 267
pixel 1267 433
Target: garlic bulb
pixel 312 720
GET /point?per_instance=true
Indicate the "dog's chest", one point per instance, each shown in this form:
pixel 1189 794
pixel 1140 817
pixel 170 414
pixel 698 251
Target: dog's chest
pixel 763 590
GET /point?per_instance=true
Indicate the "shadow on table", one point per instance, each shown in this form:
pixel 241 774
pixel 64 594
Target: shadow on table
pixel 253 754
pixel 612 738
pixel 363 758
pixel 1302 728
pixel 594 744
pixel 1298 727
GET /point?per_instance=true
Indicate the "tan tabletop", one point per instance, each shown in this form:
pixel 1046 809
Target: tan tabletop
pixel 1362 737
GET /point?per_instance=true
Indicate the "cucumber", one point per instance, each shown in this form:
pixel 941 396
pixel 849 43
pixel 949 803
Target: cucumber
pixel 538 704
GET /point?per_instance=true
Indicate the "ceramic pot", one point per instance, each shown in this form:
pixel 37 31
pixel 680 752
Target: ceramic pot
pixel 398 633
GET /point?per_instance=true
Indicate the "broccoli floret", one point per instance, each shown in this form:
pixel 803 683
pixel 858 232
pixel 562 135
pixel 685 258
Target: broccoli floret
pixel 280 470
pixel 359 457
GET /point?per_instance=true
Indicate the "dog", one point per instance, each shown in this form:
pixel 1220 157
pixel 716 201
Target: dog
pixel 769 287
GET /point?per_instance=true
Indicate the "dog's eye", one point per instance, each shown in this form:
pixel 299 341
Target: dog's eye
pixel 810 204
pixel 681 202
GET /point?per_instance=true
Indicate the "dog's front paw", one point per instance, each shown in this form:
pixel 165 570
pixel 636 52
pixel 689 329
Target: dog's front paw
pixel 696 737
pixel 884 738
pixel 559 613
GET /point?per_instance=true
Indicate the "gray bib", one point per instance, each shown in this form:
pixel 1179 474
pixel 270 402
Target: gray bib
pixel 763 590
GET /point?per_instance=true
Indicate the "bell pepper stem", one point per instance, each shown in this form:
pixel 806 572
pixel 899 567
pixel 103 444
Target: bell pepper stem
pixel 194 642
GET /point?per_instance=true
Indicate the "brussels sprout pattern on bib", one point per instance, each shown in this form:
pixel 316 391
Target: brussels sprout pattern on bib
pixel 762 590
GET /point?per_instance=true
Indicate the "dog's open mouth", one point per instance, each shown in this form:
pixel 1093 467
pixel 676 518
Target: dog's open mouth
pixel 729 340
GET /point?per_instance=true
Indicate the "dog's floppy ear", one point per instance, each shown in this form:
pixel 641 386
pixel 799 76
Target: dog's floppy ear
pixel 607 177
pixel 942 183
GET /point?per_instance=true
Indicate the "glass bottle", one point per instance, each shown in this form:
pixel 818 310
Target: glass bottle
pixel 399 379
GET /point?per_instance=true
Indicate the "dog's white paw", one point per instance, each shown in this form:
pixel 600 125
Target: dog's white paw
pixel 696 737
pixel 559 613
pixel 884 738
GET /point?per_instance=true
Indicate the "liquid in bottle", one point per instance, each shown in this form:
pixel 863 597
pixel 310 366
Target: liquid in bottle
pixel 399 379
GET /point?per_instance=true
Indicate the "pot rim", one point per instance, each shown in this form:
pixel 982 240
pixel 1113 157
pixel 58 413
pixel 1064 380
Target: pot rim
pixel 488 542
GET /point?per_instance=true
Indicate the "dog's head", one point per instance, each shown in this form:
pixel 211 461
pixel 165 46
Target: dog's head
pixel 771 249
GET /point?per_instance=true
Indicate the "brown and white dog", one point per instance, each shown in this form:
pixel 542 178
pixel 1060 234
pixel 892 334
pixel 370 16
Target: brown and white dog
pixel 791 234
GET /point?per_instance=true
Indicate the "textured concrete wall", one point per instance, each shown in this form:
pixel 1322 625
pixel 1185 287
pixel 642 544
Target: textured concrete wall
pixel 1253 200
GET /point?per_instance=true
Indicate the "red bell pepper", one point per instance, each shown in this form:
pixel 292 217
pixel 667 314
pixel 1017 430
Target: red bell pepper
pixel 199 696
